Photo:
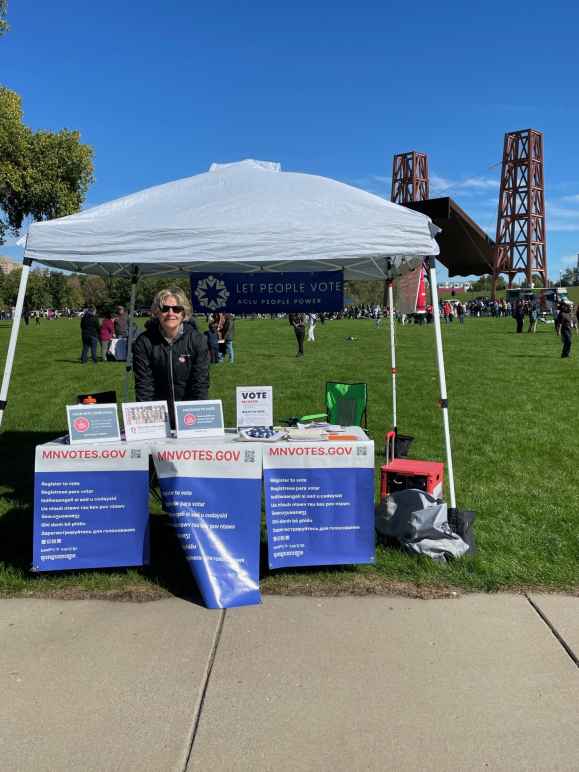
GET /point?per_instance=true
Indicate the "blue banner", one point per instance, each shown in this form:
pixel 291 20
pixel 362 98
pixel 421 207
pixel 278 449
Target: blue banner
pixel 319 517
pixel 213 495
pixel 270 293
pixel 217 523
pixel 93 519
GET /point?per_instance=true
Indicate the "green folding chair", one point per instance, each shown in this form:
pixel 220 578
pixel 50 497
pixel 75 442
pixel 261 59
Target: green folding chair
pixel 347 404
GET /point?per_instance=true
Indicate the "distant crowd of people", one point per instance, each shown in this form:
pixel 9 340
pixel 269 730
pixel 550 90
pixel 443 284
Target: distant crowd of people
pixel 220 335
pixel 111 332
pixel 103 332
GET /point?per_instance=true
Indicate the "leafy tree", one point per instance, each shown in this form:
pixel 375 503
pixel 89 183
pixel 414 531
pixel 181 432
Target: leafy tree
pixel 365 292
pixel 74 297
pixel 42 174
pixel 56 285
pixel 10 287
pixel 38 291
pixel 94 289
pixel 569 277
pixel 538 280
pixel 3 11
pixel 485 284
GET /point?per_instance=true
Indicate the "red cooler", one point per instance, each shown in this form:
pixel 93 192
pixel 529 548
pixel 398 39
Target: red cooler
pixel 403 473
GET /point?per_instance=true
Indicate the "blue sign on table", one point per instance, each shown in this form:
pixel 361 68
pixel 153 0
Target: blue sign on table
pixel 212 493
pixel 319 503
pixel 271 293
pixel 91 507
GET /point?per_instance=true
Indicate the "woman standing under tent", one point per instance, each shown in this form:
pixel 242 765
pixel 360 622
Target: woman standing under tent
pixel 170 358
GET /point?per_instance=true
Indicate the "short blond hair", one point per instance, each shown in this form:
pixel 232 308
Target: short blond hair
pixel 178 294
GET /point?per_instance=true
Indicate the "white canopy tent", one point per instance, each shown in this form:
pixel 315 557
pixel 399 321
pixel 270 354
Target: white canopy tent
pixel 241 217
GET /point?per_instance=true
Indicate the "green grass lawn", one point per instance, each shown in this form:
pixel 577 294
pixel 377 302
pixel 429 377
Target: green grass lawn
pixel 513 407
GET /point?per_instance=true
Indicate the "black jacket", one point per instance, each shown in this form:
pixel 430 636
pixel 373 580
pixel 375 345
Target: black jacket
pixel 89 325
pixel 228 330
pixel 175 372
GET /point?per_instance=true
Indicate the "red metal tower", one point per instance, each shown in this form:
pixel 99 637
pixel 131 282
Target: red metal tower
pixel 409 177
pixel 521 245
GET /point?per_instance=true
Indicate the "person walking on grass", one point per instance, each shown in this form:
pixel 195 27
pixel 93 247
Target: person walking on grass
pixel 519 315
pixel 89 331
pixel 311 328
pixel 533 317
pixel 565 323
pixel 228 336
pixel 106 334
pixel 298 322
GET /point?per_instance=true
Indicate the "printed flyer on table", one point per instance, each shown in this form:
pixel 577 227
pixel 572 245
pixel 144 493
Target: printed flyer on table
pixel 319 503
pixel 91 506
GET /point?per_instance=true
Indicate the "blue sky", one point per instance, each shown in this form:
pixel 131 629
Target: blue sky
pixel 160 90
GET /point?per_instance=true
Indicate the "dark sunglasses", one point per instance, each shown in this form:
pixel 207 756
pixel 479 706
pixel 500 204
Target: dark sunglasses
pixel 176 309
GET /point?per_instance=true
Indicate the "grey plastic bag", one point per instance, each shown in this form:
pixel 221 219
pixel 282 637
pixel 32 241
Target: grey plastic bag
pixel 419 523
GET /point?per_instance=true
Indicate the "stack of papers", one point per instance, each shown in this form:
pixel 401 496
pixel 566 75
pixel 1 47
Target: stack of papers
pixel 307 435
pixel 321 425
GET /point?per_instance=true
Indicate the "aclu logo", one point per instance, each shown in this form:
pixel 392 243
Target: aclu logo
pixel 211 293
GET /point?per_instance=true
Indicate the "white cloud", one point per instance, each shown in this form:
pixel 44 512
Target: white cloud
pixel 479 183
pixel 562 227
pixel 561 218
pixel 469 184
pixel 554 210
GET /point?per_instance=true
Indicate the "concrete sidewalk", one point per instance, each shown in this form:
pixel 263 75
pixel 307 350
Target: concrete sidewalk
pixel 480 682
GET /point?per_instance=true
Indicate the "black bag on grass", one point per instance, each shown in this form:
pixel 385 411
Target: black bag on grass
pixel 419 523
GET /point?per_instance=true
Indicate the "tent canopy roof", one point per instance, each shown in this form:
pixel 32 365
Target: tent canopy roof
pixel 243 217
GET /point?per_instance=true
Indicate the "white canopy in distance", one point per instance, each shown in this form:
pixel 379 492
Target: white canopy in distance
pixel 241 217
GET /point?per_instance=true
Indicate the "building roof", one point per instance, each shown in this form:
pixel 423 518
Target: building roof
pixel 465 248
pixel 7 265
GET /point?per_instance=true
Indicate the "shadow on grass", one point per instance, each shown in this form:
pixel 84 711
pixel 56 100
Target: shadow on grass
pixel 17 491
pixel 531 356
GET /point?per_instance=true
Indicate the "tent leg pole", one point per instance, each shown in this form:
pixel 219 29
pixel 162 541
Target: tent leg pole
pixel 129 367
pixel 392 355
pixel 14 336
pixel 442 380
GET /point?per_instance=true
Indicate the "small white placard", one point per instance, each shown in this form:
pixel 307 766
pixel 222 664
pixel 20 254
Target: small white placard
pixel 146 420
pixel 93 423
pixel 254 406
pixel 199 418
